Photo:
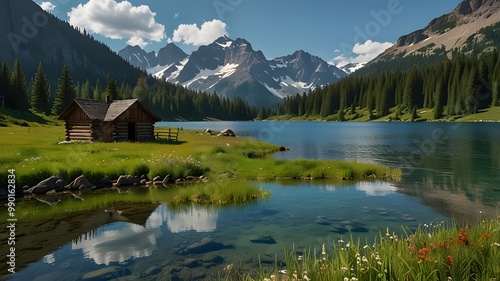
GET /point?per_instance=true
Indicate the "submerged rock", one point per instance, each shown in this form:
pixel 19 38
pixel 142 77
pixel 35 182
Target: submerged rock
pixel 107 273
pixel 204 246
pixel 264 240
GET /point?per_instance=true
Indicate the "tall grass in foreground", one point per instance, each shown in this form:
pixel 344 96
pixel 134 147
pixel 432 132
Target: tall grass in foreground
pixel 433 252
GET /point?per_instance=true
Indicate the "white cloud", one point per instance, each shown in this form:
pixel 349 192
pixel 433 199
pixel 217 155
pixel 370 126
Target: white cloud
pixel 362 53
pixel 47 6
pixel 118 21
pixel 206 34
pixel 137 41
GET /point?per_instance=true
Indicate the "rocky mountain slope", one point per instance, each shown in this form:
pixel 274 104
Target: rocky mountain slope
pixel 457 30
pixel 232 68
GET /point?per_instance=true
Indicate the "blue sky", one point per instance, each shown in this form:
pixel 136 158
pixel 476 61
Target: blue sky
pixel 338 31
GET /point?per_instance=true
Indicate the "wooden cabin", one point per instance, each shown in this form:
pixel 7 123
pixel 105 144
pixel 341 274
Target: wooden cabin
pixel 108 121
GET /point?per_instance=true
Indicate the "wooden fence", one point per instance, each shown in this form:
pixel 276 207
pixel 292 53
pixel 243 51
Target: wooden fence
pixel 167 134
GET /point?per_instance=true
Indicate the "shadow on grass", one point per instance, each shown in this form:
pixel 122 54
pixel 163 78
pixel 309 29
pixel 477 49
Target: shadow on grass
pixel 21 118
pixel 170 142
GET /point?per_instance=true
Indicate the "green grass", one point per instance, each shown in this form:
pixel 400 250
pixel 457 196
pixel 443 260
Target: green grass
pixel 35 155
pixel 220 193
pixel 10 117
pixel 433 252
pixel 228 163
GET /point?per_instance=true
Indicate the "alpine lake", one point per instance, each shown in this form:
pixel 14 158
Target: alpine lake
pixel 451 173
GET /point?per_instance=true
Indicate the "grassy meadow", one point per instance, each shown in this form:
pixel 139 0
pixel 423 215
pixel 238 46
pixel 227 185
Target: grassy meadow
pixel 229 164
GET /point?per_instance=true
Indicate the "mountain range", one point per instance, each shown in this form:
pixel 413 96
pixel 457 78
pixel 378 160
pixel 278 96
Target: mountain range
pixel 460 30
pixel 232 68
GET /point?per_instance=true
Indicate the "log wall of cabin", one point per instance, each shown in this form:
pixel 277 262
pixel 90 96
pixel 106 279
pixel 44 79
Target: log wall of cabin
pixel 145 131
pixel 144 124
pixel 78 126
pixel 120 132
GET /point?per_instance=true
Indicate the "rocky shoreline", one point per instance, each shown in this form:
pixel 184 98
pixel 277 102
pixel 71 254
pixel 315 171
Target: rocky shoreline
pixel 54 185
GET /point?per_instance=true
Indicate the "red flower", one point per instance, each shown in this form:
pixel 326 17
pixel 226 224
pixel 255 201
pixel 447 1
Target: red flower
pixel 462 237
pixel 484 237
pixel 449 260
pixel 422 253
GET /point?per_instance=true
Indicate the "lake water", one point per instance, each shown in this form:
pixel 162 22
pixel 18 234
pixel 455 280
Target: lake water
pixel 451 171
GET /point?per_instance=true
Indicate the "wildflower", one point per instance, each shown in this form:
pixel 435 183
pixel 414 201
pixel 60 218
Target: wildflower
pixel 495 244
pixel 299 258
pixel 449 260
pixel 364 259
pixel 366 246
pixel 344 269
pixel 323 250
pixel 433 246
pixel 422 253
pixel 348 245
pixel 483 237
pixel 346 279
pixel 340 241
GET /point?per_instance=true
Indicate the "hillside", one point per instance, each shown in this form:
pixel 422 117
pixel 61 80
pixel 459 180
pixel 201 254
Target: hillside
pixel 465 26
pixel 34 36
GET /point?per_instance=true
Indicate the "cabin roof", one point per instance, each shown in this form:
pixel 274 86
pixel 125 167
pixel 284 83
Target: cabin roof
pixel 102 110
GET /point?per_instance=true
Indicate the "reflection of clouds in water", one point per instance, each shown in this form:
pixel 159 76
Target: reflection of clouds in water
pixel 127 240
pixel 376 188
pixel 200 219
pixel 131 241
pixel 49 259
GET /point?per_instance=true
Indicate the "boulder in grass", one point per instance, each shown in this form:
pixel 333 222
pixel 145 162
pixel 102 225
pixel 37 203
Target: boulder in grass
pixel 52 183
pixel 104 182
pixel 227 133
pixel 80 182
pixel 127 181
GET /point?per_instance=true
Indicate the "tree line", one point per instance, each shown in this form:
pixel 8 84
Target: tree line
pixel 167 100
pixel 458 86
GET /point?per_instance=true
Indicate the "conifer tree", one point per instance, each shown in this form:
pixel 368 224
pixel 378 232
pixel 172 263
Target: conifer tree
pixel 141 90
pixel 414 114
pixel 86 90
pixel 18 89
pixel 262 114
pixel 40 93
pixel 439 99
pixel 111 88
pixel 65 93
pixel 471 102
pixel 4 82
pixel 96 92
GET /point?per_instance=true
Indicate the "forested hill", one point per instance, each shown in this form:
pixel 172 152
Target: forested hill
pixel 168 101
pixel 34 36
pixel 460 86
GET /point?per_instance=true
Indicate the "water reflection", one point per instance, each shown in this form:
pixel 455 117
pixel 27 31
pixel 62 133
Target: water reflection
pixel 197 218
pixel 120 242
